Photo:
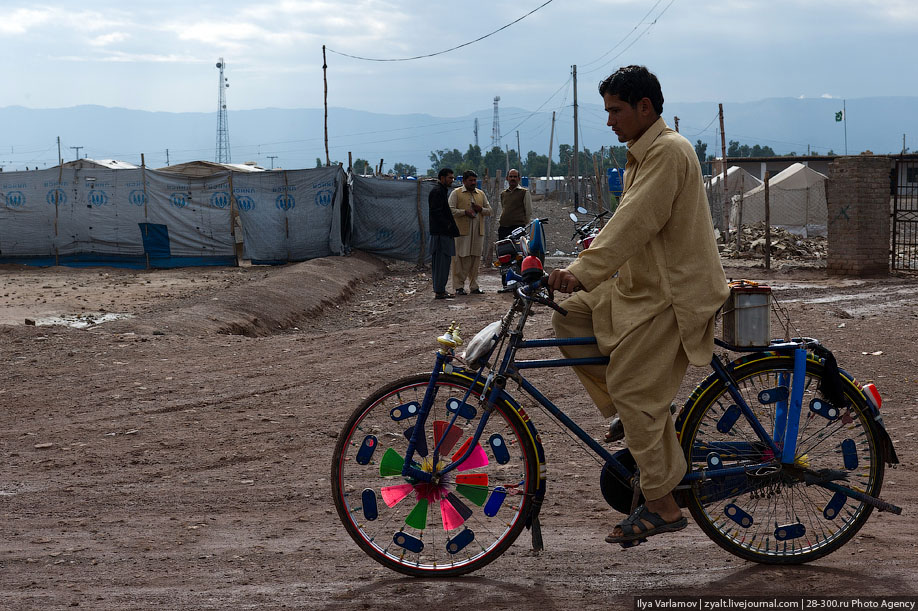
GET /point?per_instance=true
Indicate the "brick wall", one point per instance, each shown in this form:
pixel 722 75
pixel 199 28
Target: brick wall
pixel 858 222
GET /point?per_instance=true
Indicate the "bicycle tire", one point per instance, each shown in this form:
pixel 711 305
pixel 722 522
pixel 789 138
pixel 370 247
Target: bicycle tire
pixel 393 518
pixel 775 518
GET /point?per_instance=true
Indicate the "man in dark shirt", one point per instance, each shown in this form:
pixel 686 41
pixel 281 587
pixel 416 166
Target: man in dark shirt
pixel 442 231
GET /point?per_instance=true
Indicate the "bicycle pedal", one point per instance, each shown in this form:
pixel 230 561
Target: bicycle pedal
pixel 632 543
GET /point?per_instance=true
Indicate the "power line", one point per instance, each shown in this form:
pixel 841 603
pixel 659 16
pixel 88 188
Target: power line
pixel 465 44
pixel 631 44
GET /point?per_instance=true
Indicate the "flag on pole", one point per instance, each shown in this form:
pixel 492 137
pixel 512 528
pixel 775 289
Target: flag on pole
pixel 839 116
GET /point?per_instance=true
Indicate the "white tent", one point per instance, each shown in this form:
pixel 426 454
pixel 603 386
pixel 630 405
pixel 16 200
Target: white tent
pixel 738 182
pixel 797 202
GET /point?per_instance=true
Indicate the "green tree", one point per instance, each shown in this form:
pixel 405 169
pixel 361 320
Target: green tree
pixel 494 160
pixel 536 165
pixel 701 149
pixel 362 166
pixel 404 169
pixel 445 158
pixel 319 162
pixel 472 160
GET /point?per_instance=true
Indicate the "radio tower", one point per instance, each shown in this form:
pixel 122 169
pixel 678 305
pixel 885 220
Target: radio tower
pixel 223 145
pixel 476 133
pixel 495 129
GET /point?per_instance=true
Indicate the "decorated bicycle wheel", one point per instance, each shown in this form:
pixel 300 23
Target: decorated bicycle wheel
pixel 455 524
pixel 780 514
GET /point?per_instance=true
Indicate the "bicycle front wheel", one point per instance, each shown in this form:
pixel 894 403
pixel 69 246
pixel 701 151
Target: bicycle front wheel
pixel 457 524
pixel 772 515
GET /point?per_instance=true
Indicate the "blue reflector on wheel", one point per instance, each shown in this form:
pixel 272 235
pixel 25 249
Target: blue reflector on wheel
pixel 773 395
pixel 463 409
pixel 729 418
pixel 714 460
pixel 824 409
pixel 499 448
pixel 406 541
pixel 365 453
pixel 849 453
pixel 738 515
pixel 790 531
pixel 406 410
pixel 494 502
pixel 834 506
pixel 458 542
pixel 370 508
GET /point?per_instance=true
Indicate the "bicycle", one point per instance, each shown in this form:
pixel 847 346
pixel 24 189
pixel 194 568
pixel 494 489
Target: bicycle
pixel 786 453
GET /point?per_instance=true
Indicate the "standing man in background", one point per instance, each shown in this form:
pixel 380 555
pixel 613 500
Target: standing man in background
pixel 515 204
pixel 442 231
pixel 469 205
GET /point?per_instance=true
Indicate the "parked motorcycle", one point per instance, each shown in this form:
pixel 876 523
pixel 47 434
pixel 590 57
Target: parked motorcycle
pixel 522 242
pixel 584 233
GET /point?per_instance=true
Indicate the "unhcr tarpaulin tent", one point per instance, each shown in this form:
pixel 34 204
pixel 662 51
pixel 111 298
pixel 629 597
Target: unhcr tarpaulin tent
pixel 797 201
pixel 390 217
pixel 145 218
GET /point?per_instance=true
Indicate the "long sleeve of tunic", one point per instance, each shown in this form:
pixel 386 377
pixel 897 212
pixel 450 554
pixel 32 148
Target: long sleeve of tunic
pixel 661 243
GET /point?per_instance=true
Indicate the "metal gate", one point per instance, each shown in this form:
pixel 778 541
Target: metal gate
pixel 905 213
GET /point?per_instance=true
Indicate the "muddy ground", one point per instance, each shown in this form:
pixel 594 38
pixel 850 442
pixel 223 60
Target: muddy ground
pixel 179 458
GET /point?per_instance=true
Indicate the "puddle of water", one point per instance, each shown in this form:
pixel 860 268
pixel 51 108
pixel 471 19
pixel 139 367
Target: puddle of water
pixel 81 321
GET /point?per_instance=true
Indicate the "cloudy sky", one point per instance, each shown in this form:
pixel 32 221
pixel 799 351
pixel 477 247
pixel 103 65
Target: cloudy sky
pixel 160 56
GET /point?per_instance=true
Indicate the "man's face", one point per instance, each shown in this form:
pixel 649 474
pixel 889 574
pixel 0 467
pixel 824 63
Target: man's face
pixel 448 179
pixel 470 183
pixel 628 123
pixel 513 179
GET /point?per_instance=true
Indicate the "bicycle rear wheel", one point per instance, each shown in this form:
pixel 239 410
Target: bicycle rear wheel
pixel 457 525
pixel 772 516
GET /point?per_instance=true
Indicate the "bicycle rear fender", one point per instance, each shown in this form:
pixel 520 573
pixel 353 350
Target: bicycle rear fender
pixel 710 382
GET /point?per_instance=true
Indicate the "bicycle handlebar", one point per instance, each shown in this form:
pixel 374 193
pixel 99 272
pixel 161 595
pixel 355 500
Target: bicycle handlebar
pixel 529 292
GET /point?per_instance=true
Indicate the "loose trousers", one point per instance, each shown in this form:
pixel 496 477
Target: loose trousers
pixel 466 267
pixel 441 255
pixel 643 376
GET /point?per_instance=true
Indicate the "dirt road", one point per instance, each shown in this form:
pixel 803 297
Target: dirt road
pixel 180 458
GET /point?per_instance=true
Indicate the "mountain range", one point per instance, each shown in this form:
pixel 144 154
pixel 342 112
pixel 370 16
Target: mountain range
pixel 294 138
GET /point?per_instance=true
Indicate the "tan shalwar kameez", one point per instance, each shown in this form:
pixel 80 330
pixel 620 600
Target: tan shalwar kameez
pixel 472 230
pixel 657 315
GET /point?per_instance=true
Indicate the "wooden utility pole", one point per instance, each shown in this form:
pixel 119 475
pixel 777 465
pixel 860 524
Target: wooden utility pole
pixel 576 168
pixel 723 152
pixel 767 224
pixel 676 119
pixel 350 163
pixel 551 145
pixel 325 82
pixel 519 153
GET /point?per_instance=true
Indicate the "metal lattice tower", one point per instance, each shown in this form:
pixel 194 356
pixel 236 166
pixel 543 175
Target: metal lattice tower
pixel 223 144
pixel 476 131
pixel 495 126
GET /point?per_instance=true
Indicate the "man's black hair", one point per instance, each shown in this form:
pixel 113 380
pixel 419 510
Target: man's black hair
pixel 444 171
pixel 632 84
pixel 468 174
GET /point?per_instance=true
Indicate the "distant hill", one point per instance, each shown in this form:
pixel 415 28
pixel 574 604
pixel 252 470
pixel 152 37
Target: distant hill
pixel 295 136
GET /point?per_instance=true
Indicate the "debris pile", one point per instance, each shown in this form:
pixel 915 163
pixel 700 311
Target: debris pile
pixel 784 244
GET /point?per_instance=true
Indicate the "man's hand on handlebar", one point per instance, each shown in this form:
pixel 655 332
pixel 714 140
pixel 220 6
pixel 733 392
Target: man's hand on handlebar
pixel 562 280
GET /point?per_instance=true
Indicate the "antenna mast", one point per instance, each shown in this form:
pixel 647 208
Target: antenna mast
pixel 223 144
pixel 495 126
pixel 476 134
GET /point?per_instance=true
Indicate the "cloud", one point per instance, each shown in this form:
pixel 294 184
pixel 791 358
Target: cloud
pixel 21 21
pixel 108 39
pixel 827 96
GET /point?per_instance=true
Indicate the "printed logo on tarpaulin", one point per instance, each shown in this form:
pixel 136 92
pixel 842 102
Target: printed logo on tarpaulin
pixel 137 197
pixel 324 198
pixel 245 203
pixel 59 193
pixel 180 200
pixel 220 199
pixel 97 197
pixel 15 199
pixel 285 201
pixel 384 235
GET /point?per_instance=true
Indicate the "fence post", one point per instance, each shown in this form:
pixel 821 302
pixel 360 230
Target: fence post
pixel 423 251
pixel 767 224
